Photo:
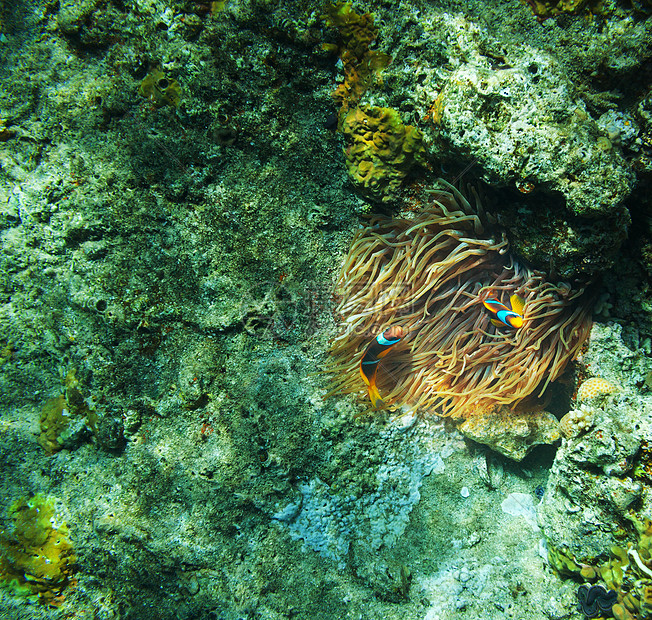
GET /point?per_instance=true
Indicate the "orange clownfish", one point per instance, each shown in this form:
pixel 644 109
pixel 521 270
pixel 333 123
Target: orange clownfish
pixel 378 348
pixel 503 315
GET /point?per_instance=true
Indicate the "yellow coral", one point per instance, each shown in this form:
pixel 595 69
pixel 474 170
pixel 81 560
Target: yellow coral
pixel 593 387
pixel 361 65
pixel 160 89
pixel 36 556
pixel 65 415
pixel 356 30
pixel 381 150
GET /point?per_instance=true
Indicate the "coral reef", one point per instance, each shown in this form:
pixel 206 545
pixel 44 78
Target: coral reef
pixel 487 118
pixel 610 446
pixel 380 150
pixel 522 116
pixel 430 275
pixel 598 525
pixel 327 521
pixel 36 555
pixel 181 258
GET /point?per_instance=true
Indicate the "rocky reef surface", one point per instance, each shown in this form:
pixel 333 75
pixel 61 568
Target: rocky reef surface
pixel 177 192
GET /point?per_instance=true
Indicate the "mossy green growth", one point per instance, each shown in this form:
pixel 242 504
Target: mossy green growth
pixel 6 349
pixel 36 554
pixel 160 89
pixel 380 150
pixel 65 416
pixel 544 9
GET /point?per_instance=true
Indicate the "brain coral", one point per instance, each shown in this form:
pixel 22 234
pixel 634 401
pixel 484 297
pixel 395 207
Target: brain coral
pixel 593 387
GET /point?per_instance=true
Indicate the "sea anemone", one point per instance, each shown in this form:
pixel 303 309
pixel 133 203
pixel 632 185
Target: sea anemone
pixel 430 275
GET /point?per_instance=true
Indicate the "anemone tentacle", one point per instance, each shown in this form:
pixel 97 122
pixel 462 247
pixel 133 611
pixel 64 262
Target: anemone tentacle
pixel 430 275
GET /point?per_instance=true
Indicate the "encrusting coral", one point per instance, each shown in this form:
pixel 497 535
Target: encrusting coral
pixel 544 9
pixel 430 275
pixel 577 421
pixel 36 555
pixel 160 90
pixel 361 65
pixel 594 387
pixel 380 150
pixel 67 418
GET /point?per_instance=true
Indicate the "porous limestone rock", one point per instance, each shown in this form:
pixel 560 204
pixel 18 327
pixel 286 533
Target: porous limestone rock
pixel 513 116
pixel 600 475
pixel 589 490
pixel 511 433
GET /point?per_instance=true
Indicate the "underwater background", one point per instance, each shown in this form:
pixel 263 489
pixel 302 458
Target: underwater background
pixel 180 184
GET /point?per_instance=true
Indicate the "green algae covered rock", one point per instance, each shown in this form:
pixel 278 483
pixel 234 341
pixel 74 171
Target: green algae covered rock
pixel 36 555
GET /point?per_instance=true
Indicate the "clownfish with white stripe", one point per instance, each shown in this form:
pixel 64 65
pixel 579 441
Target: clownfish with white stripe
pixel 504 316
pixel 378 348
